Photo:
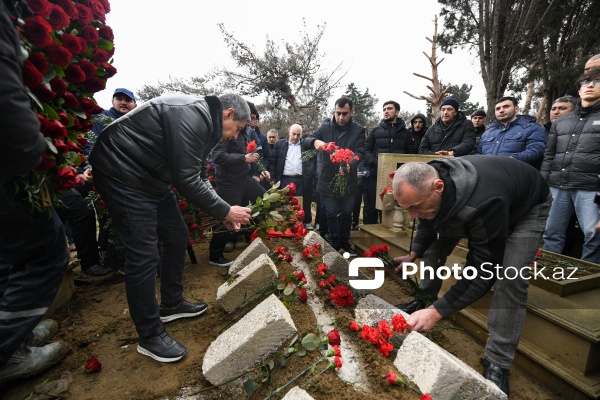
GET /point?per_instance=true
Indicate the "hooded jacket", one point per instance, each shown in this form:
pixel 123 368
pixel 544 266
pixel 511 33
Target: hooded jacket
pixel 386 138
pixel 459 137
pixel 483 199
pixel 414 138
pixel 522 139
pixel 572 158
pixel 350 136
pixel 161 143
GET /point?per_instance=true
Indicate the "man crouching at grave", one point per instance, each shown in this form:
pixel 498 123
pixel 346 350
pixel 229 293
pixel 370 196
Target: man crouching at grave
pixel 136 161
pixel 500 204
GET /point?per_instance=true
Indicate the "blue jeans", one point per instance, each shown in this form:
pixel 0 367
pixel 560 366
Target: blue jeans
pixel 140 221
pixel 33 259
pixel 567 202
pixel 339 218
pixel 509 301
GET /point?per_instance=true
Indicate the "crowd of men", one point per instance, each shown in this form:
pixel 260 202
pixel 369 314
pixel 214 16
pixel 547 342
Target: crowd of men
pixel 507 185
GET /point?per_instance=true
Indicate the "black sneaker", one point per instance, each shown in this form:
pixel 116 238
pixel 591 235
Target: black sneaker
pixel 347 248
pixel 96 270
pixel 162 347
pixel 26 361
pixel 220 262
pixel 184 309
pixel 410 307
pixel 496 374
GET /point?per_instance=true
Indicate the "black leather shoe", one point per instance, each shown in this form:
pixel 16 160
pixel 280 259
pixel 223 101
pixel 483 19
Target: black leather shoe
pixel 162 347
pixel 347 248
pixel 184 309
pixel 410 307
pixel 96 270
pixel 496 374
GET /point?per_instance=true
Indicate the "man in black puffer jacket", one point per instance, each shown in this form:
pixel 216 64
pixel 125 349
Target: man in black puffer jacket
pixel 451 135
pixel 137 159
pixel 390 136
pixel 348 135
pixel 571 166
pixel 418 127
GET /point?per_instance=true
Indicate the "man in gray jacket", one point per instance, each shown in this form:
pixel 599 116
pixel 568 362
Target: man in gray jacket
pixel 136 161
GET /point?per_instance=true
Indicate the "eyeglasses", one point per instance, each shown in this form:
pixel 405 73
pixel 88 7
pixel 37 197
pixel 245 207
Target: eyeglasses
pixel 586 83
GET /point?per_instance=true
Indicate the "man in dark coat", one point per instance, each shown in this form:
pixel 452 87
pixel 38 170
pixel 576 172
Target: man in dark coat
pixel 137 160
pixel 338 206
pixel 418 127
pixel 287 167
pixel 451 135
pixel 390 136
pixel 478 121
pixel 33 248
pixel 500 205
pixel 571 166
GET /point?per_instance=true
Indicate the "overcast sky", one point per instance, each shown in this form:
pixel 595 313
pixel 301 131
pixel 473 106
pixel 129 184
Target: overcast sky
pixel 380 43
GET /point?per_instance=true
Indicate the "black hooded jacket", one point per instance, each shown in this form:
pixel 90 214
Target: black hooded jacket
pixel 414 138
pixel 386 138
pixel 459 137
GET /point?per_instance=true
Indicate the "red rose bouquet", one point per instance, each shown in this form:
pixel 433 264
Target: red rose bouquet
pixel 69 48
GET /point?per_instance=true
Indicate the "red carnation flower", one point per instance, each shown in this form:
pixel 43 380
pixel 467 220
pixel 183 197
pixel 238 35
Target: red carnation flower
pixel 336 351
pixel 341 296
pixel 338 362
pixel 90 34
pixel 322 284
pixel 384 347
pixel 37 30
pixel 251 146
pixel 354 326
pixel 68 7
pixel 39 61
pixel 384 329
pixel 58 55
pixel 538 253
pixel 93 365
pixel 321 269
pixel 334 337
pixel 75 74
pixel 39 7
pixel 58 19
pixel 399 323
pixel 393 378
pixel 31 76
pixel 302 295
pixel 288 257
pixel 71 43
pixel 182 205
pixel 106 32
pixel 425 396
pixel 84 14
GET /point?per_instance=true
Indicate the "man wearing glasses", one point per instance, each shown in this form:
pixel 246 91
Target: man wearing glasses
pixel 571 166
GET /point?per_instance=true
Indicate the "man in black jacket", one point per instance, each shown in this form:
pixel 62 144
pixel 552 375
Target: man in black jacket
pixel 136 160
pixel 571 166
pixel 418 127
pixel 478 121
pixel 287 167
pixel 348 135
pixel 390 136
pixel 33 248
pixel 451 135
pixel 500 205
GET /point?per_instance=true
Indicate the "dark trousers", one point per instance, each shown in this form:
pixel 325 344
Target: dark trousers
pixel 370 213
pixel 141 220
pixel 321 217
pixel 358 197
pixel 82 221
pixel 33 259
pixel 238 194
pixel 339 218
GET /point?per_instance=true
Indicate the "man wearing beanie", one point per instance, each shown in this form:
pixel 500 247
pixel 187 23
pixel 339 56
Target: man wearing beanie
pixel 451 135
pixel 478 121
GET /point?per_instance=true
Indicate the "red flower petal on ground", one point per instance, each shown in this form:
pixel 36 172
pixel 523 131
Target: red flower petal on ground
pixel 93 365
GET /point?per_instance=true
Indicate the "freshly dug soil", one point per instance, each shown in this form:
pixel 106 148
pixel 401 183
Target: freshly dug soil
pixel 97 323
